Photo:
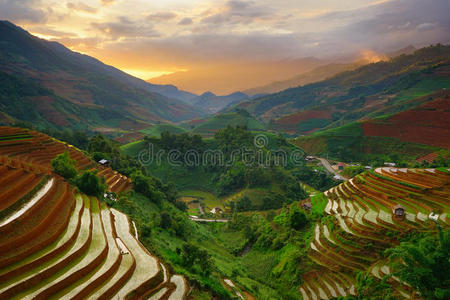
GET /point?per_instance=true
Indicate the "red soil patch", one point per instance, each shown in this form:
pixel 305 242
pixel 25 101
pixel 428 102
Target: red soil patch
pixel 429 158
pixel 427 124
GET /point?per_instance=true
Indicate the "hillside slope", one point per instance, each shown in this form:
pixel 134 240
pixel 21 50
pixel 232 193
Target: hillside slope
pixel 410 133
pixel 57 242
pixel 318 74
pixel 208 127
pixel 361 224
pixel 353 95
pixel 78 90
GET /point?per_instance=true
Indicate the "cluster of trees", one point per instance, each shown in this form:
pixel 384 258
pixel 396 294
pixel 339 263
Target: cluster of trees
pixel 288 192
pixel 156 191
pixel 424 264
pixel 88 182
pixel 317 179
pixel 240 176
pixel 294 218
pixel 100 147
pixel 195 259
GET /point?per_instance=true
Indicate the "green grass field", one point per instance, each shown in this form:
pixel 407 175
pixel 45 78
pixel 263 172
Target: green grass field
pixel 157 129
pixel 221 121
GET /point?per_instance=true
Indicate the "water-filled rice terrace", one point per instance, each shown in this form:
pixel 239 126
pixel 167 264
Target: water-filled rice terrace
pixel 56 243
pixel 362 224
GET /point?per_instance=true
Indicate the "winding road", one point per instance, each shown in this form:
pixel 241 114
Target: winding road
pixel 327 166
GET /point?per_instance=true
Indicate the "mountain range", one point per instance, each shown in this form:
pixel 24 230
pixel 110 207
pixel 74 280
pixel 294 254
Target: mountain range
pixel 353 95
pixel 46 83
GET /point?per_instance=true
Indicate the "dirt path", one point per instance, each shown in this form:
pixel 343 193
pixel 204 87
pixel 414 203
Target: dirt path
pixel 208 220
pixel 327 166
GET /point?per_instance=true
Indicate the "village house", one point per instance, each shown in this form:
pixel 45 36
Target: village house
pixel 104 162
pixel 216 210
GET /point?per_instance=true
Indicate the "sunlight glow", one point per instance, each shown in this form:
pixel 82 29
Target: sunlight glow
pixel 149 74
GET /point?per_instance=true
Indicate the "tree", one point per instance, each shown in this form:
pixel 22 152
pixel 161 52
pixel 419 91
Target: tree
pixel 243 204
pixel 166 220
pixel 424 265
pixel 63 165
pixel 193 255
pixel 370 288
pixel 297 218
pixel 90 184
pixel 148 186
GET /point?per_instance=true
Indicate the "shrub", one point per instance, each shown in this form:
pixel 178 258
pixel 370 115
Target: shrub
pixel 297 218
pixel 63 165
pixel 90 184
pixel 148 186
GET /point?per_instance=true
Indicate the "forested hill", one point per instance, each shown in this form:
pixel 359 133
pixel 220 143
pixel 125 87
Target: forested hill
pixel 354 95
pixel 47 84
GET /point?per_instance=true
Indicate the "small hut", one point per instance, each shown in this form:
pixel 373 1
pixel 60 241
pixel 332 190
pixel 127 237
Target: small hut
pixel 307 206
pixel 104 162
pixel 398 211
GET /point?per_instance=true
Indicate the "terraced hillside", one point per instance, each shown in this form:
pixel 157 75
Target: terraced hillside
pixel 34 150
pixel 57 243
pixel 362 225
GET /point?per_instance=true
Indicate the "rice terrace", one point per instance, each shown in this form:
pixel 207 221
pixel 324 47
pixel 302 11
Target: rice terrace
pixel 225 149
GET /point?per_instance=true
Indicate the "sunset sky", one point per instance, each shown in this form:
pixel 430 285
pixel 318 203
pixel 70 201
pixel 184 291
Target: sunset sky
pixel 218 39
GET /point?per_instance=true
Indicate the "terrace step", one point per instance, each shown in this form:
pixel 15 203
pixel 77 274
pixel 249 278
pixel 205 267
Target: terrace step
pixel 26 281
pixel 93 257
pixel 58 247
pixel 147 274
pixel 160 294
pixel 180 289
pixel 29 227
pixel 28 207
pixel 45 235
pixel 107 270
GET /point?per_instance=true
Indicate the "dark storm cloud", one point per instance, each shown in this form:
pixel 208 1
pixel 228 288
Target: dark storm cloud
pixel 23 11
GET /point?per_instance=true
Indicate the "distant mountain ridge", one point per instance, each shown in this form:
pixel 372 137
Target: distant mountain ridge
pixel 227 78
pixel 212 103
pixel 353 95
pixel 320 73
pixel 78 90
